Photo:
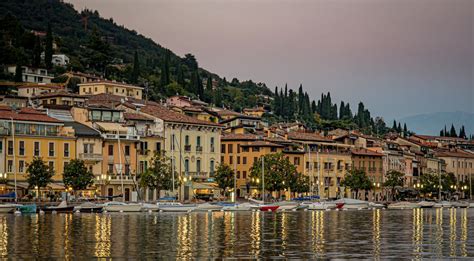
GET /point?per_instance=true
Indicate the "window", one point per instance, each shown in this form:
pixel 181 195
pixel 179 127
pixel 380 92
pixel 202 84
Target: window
pixel 51 149
pixel 158 146
pixel 88 148
pixel 186 140
pixel 10 147
pixel 198 141
pixel 186 166
pixel 106 115
pixel 238 159
pixel 1 146
pixel 111 150
pixel 211 168
pixel 65 165
pixel 21 166
pixel 296 161
pixel 127 150
pixel 238 148
pixel 22 148
pixel 51 165
pixel 245 149
pixel 222 148
pixel 238 174
pixel 230 148
pixel 172 142
pixel 273 149
pixel 255 159
pixel 110 168
pixel 198 166
pixel 127 169
pixel 36 149
pixel 244 160
pixel 231 161
pixel 212 144
pixel 66 150
pixel 10 166
pixel 255 149
pixel 244 174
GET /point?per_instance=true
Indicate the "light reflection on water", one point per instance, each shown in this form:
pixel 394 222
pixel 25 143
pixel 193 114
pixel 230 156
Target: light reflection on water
pixel 374 234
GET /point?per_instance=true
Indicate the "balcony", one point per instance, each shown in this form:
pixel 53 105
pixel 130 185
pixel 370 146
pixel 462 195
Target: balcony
pixel 187 148
pixel 90 156
pixel 199 149
pixel 198 175
pixel 121 136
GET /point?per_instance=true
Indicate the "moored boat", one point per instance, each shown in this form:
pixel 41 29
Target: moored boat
pixel 178 208
pixel 322 205
pixel 268 207
pixel 403 205
pixel 27 209
pixel 460 204
pixel 62 207
pixel 237 207
pixel 349 203
pixel 208 207
pixel 89 207
pixel 374 205
pixel 115 206
pixel 286 205
pixel 446 204
pixel 426 204
pixel 7 208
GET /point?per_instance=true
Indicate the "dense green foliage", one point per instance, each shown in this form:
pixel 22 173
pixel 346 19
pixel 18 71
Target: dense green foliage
pixel 38 173
pixel 356 180
pixel 77 176
pixel 159 175
pixel 224 177
pixel 393 179
pixel 452 132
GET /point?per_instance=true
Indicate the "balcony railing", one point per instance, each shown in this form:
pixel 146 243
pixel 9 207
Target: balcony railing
pixel 90 156
pixel 122 136
pixel 199 175
pixel 198 148
pixel 187 148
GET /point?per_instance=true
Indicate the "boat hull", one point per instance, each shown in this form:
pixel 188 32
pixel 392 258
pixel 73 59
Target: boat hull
pixel 27 209
pixel 7 208
pixel 123 208
pixel 91 210
pixel 177 208
pixel 268 208
pixel 59 210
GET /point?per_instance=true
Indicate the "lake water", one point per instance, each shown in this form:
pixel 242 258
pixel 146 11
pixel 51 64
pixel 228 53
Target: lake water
pixel 397 234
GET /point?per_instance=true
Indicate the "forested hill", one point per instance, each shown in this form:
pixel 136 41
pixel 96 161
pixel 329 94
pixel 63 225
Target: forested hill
pixel 100 46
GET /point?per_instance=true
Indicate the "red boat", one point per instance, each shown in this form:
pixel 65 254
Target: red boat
pixel 269 208
pixel 339 205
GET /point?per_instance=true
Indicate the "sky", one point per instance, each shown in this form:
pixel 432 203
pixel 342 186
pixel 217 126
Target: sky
pixel 400 57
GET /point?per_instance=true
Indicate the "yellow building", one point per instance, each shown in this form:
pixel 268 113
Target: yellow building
pixel 461 164
pixel 35 135
pixel 59 98
pixel 110 87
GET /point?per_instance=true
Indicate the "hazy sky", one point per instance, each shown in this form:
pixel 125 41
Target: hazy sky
pixel 400 57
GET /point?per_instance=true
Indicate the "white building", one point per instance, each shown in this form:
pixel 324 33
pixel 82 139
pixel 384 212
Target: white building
pixel 31 74
pixel 58 59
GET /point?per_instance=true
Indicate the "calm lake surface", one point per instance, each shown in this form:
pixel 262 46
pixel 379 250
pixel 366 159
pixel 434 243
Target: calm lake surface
pixel 397 234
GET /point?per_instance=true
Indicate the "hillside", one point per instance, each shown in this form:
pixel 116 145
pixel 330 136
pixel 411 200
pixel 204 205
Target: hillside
pixel 100 46
pixel 432 123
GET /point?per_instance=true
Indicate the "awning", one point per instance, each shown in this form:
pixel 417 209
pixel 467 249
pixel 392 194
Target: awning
pixel 23 185
pixel 57 186
pixel 112 127
pixel 197 185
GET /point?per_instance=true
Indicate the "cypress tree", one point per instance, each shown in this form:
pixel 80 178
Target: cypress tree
pixel 180 76
pixel 37 52
pixel 18 73
pixel 342 110
pixel 314 107
pixel 394 126
pixel 399 128
pixel 446 134
pixel 452 132
pixel 348 111
pixel 405 129
pixel 48 52
pixel 300 99
pixel 441 133
pixel 209 83
pixel 165 69
pixel 462 132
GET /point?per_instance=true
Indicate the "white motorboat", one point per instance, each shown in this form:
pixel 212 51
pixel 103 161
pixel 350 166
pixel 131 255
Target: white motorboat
pixel 238 207
pixel 89 207
pixel 374 205
pixel 403 205
pixel 471 205
pixel 115 206
pixel 426 204
pixel 177 207
pixel 460 204
pixel 7 208
pixel 446 204
pixel 208 207
pixel 149 206
pixel 349 203
pixel 322 205
pixel 438 205
pixel 286 205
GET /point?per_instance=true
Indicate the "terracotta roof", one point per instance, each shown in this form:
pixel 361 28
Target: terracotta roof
pixel 40 86
pixel 454 153
pixel 233 136
pixel 136 117
pixel 27 114
pixel 59 94
pixel 429 137
pixel 365 152
pixel 305 136
pixel 111 101
pixel 227 113
pixel 261 143
pixel 165 114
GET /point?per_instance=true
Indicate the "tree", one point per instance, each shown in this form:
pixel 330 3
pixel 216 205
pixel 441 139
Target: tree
pixel 48 51
pixel 429 182
pixel 165 69
pixel 405 129
pixel 77 176
pixel 159 175
pixel 356 180
pixel 224 177
pixel 299 183
pixel 448 181
pixel 136 68
pixel 393 179
pixel 18 73
pixel 462 132
pixel 209 83
pixel 277 169
pixel 37 52
pixel 38 174
pixel 452 132
pixel 394 126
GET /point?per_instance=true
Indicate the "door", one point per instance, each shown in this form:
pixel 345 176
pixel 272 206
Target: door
pixel 110 192
pixel 127 194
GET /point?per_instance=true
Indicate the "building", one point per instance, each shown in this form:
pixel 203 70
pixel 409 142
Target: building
pixel 111 87
pixel 371 163
pixel 119 149
pixel 460 163
pixel 59 98
pixel 255 112
pixel 184 101
pixel 38 89
pixel 13 101
pixel 60 60
pixel 31 74
pixel 35 135
pixel 192 145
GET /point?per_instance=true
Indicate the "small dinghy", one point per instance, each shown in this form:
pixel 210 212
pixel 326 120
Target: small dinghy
pixel 8 208
pixel 426 204
pixel 322 206
pixel 27 209
pixel 61 208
